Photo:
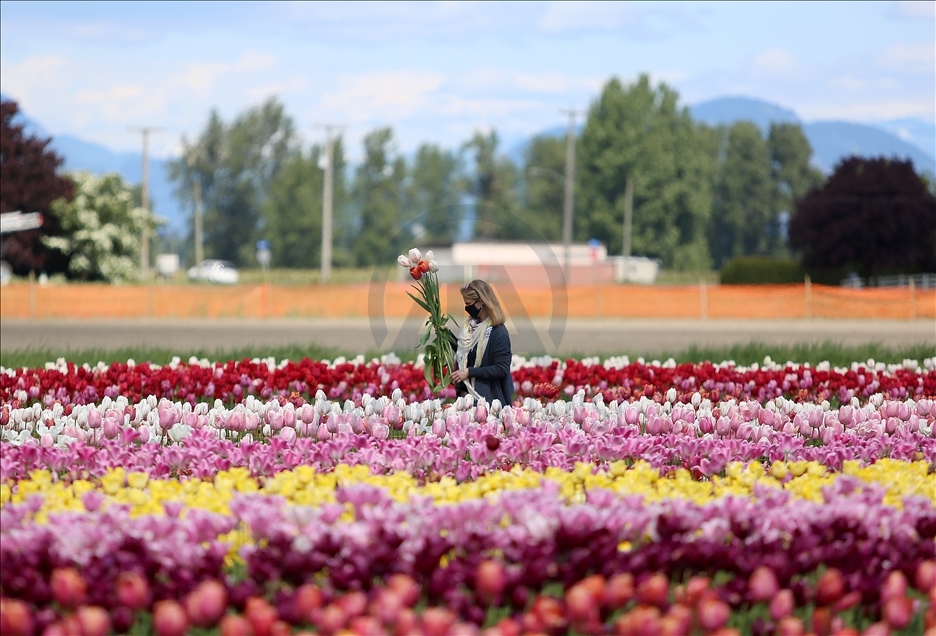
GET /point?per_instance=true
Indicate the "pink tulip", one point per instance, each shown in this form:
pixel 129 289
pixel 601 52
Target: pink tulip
pixel 111 428
pixel 94 620
pixel 94 418
pixel 782 605
pixel 763 584
pixel 895 586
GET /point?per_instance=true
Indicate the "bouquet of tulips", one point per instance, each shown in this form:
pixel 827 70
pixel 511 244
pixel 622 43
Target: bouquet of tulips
pixel 438 342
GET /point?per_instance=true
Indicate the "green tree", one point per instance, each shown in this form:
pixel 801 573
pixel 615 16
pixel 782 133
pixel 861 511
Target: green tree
pixel 641 132
pixel 101 228
pixel 743 209
pixel 236 164
pixel 379 194
pixel 793 175
pixel 544 160
pixel 292 211
pixel 494 186
pixel 435 189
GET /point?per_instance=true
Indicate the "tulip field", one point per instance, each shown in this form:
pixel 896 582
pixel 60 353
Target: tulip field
pixel 614 496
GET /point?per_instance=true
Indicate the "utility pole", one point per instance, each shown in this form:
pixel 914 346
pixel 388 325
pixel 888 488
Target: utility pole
pixel 199 241
pixel 327 196
pixel 144 186
pixel 569 192
pixel 628 217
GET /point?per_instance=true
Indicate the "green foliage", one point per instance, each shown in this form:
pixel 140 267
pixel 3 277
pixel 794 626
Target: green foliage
pixel 545 165
pixel 744 191
pixel 641 132
pixel 236 165
pixel 494 187
pixel 292 210
pixel 379 194
pixel 434 192
pixel 761 270
pixel 101 229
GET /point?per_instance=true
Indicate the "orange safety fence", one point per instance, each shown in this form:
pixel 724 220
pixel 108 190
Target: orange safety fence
pixel 24 301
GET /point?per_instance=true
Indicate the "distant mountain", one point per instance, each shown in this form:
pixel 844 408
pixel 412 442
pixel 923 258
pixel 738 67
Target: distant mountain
pixel 831 140
pixel 727 110
pixel 84 155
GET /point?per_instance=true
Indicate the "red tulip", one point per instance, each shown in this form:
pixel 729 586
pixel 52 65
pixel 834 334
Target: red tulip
pixel 68 587
pixel 206 604
pixel 713 614
pixel 133 590
pixel 898 612
pixel 618 591
pixel 490 580
pixel 406 587
pixel 581 605
pixel 437 621
pixel 15 618
pixel 235 625
pixel 306 598
pixel 782 605
pixel 895 586
pixel 654 590
pixel 169 618
pixel 822 621
pixel 261 615
pixel 763 585
pixel 94 620
pixel 830 588
pixel 925 577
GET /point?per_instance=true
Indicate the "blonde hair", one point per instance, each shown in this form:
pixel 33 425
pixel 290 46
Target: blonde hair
pixel 479 290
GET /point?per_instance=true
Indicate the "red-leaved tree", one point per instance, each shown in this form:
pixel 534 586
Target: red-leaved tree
pixel 874 216
pixel 29 183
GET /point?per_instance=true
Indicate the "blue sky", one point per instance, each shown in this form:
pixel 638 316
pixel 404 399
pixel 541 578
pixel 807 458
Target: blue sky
pixel 436 72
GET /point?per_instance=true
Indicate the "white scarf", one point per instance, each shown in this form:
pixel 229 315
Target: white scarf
pixel 472 335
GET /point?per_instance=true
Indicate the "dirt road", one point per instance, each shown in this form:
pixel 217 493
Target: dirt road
pixel 634 337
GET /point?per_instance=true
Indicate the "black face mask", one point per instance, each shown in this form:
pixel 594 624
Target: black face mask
pixel 472 310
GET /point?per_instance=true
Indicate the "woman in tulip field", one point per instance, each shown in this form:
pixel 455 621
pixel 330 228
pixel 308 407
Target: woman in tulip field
pixel 262 497
pixel 483 348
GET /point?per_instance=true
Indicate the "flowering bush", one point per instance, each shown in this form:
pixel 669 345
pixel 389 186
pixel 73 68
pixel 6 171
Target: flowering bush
pixel 101 228
pixel 437 342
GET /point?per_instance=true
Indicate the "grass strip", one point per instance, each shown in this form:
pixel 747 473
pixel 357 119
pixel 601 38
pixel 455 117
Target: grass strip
pixel 743 354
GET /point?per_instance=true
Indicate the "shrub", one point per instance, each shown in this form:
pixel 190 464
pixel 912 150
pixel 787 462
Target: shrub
pixel 761 270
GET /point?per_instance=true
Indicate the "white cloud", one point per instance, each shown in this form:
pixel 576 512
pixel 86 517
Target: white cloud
pixel 868 110
pixel 28 79
pixel 384 95
pixel 775 60
pixel 557 82
pixel 925 9
pixel 910 58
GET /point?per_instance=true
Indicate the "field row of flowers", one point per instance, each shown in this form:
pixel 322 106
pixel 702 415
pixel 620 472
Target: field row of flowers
pixel 614 379
pixel 340 497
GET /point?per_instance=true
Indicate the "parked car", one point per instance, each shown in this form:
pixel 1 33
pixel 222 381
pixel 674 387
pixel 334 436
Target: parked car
pixel 214 271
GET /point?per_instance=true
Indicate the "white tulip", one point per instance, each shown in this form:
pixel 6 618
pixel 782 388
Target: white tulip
pixel 415 256
pixel 403 260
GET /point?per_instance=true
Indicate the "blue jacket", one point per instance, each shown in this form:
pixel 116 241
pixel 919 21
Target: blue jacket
pixel 492 377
